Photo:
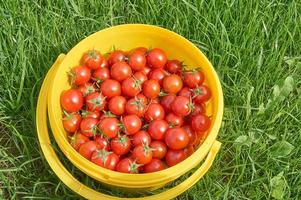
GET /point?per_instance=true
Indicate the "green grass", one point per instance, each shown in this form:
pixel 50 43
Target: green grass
pixel 253 45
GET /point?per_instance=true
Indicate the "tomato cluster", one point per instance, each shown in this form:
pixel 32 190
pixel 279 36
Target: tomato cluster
pixel 136 111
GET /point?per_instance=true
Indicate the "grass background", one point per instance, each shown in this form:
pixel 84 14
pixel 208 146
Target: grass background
pixel 255 47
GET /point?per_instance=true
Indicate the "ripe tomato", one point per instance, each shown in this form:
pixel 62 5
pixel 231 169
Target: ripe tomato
pixel 72 100
pixel 102 142
pixel 120 71
pixel 117 105
pixel 153 112
pixel 174 66
pixel 142 50
pixel 137 60
pixel 141 137
pixel 176 138
pixel 137 105
pixel 91 114
pixel 154 166
pixel 121 145
pixel 131 87
pixel 142 154
pixel 116 56
pixel 157 129
pixel 110 88
pixel 194 78
pixel 88 126
pixel 198 109
pixel 95 102
pixel 86 89
pixel 167 101
pixel 173 157
pixel 80 75
pixel 200 122
pixel 157 74
pixel 189 150
pixel 105 159
pixel 182 106
pixel 146 70
pixel 77 140
pixel 172 84
pixel 159 149
pixel 87 149
pixel 71 122
pixel 174 120
pixel 132 124
pixel 101 74
pixel 156 58
pixel 192 135
pixel 92 59
pixel 109 126
pixel 185 92
pixel 127 165
pixel 140 76
pixel 201 94
pixel 151 88
pixel 104 63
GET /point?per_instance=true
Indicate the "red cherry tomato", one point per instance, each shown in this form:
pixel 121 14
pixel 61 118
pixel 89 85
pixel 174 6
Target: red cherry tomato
pixel 154 166
pixel 201 94
pixel 142 154
pixel 88 126
pixel 194 78
pixel 120 71
pixel 185 92
pixel 101 74
pixel 95 101
pixel 80 75
pixel 157 129
pixel 110 88
pixel 200 122
pixel 189 150
pixel 116 56
pixel 142 50
pixel 198 109
pixel 174 120
pixel 91 114
pixel 77 140
pixel 192 135
pixel 131 87
pixel 105 159
pixel 86 89
pixel 102 142
pixel 156 58
pixel 117 105
pixel 176 138
pixel 173 66
pixel 173 157
pixel 146 70
pixel 92 59
pixel 172 84
pixel 104 63
pixel 141 137
pixel 127 165
pixel 71 122
pixel 87 149
pixel 137 105
pixel 140 76
pixel 151 88
pixel 182 106
pixel 121 145
pixel 159 149
pixel 157 74
pixel 167 101
pixel 137 60
pixel 153 112
pixel 72 100
pixel 109 126
pixel 132 124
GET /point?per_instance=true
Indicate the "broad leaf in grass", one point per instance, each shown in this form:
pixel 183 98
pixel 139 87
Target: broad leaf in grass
pixel 278 186
pixel 281 149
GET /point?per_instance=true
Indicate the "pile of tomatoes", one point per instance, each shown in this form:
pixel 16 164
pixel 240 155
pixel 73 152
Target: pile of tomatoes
pixel 136 111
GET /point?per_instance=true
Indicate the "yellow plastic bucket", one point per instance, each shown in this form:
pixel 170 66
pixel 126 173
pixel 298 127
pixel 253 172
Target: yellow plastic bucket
pixel 126 37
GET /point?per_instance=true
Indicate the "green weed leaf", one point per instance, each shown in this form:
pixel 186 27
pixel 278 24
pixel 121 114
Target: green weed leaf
pixel 243 140
pixel 281 149
pixel 278 186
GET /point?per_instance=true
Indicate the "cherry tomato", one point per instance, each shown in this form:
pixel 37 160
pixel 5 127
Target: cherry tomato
pixel 109 126
pixel 101 74
pixel 154 166
pixel 132 124
pixel 141 137
pixel 91 114
pixel 104 63
pixel 77 140
pixel 92 59
pixel 146 70
pixel 71 122
pixel 194 78
pixel 80 75
pixel 173 157
pixel 127 165
pixel 95 101
pixel 110 88
pixel 200 122
pixel 167 101
pixel 140 76
pixel 137 60
pixel 173 66
pixel 198 109
pixel 192 135
pixel 142 154
pixel 116 56
pixel 72 100
pixel 137 105
pixel 151 88
pixel 182 106
pixel 185 92
pixel 120 71
pixel 157 129
pixel 88 126
pixel 174 120
pixel 102 142
pixel 189 150
pixel 121 145
pixel 86 89
pixel 117 105
pixel 176 138
pixel 105 159
pixel 142 50
pixel 172 84
pixel 157 74
pixel 87 149
pixel 159 149
pixel 201 94
pixel 156 58
pixel 131 87
pixel 153 112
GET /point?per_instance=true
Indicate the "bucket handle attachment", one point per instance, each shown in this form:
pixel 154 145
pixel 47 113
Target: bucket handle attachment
pixel 81 189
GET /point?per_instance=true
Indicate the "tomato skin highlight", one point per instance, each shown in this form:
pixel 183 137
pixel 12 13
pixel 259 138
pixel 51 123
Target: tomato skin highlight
pixel 140 76
pixel 174 120
pixel 153 112
pixel 156 58
pixel 77 140
pixel 176 138
pixel 95 102
pixel 102 142
pixel 159 149
pixel 174 157
pixel 121 71
pixel 132 124
pixel 101 74
pixel 105 159
pixel 71 122
pixel 137 60
pixel 130 87
pixel 185 92
pixel 72 100
pixel 182 106
pixel 157 74
pixel 116 56
pixel 110 88
pixel 200 122
pixel 167 102
pixel 87 149
pixel 154 166
pixel 194 78
pixel 80 75
pixel 117 105
pixel 172 84
pixel 151 88
pixel 121 145
pixel 109 126
pixel 157 129
pixel 201 94
pixel 142 154
pixel 92 59
pixel 127 165
pixel 88 127
pixel 173 66
pixel 141 137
